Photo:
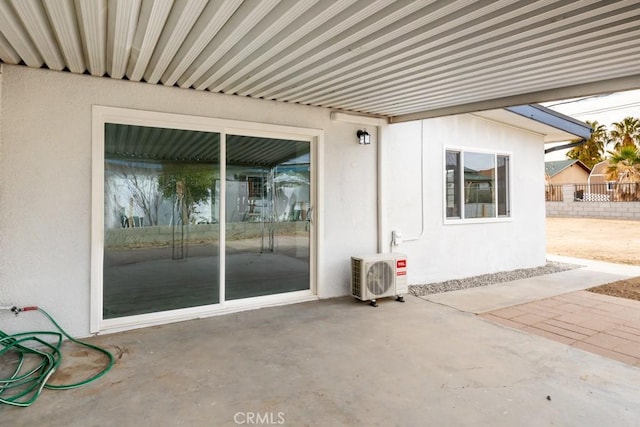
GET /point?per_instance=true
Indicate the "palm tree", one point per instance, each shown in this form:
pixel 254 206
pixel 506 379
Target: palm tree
pixel 624 168
pixel 592 151
pixel 626 133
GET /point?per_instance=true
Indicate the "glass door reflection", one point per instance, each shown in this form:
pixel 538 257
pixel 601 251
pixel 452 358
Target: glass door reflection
pixel 268 194
pixel 161 219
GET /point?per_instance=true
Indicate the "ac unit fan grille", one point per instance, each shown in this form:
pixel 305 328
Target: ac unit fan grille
pixel 379 277
pixel 356 286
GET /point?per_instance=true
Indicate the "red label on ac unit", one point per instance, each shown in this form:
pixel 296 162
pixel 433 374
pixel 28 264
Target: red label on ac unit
pixel 401 273
pixel 401 263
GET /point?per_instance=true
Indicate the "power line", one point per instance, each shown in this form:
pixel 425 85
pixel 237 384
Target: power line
pixel 607 109
pixel 571 101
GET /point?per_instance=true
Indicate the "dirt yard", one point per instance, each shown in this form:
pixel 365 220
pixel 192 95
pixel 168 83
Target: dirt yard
pixel 629 288
pixel 600 239
pixel 608 240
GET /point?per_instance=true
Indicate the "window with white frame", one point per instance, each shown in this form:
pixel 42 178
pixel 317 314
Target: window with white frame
pixel 476 185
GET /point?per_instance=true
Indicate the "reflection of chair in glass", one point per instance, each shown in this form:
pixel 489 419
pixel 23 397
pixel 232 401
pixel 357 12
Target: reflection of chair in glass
pixel 297 211
pixel 256 211
pixel 130 222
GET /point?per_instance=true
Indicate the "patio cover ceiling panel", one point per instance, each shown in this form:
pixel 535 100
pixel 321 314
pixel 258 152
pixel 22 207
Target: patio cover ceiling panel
pixel 403 59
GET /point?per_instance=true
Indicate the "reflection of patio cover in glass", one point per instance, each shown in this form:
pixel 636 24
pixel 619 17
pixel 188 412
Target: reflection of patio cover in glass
pixel 476 176
pixel 290 179
pixel 179 145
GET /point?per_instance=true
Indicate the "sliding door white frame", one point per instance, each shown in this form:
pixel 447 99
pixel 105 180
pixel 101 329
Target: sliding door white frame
pixel 103 115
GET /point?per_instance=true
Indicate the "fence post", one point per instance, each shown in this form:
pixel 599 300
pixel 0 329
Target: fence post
pixel 568 192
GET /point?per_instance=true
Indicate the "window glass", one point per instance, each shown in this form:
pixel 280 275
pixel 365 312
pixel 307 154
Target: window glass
pixel 479 185
pixel 268 208
pixel 453 184
pixel 161 211
pixel 503 185
pixel 476 185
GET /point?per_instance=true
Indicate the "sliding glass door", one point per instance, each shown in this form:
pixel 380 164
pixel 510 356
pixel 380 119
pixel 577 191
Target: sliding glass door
pixel 268 212
pixel 161 210
pixel 194 218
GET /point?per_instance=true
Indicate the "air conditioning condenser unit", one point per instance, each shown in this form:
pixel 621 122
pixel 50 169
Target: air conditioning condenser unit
pixel 379 276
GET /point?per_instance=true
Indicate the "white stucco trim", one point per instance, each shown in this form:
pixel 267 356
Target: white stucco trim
pixel 506 123
pixel 102 115
pixel 97 221
pixel 222 231
pixel 358 119
pixel 380 191
pixel 203 123
pixel 191 313
pixel 317 238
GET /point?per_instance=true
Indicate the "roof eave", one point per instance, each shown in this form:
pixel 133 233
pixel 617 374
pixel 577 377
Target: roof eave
pixel 552 118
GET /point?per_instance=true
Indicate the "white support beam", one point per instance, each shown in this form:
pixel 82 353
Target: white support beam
pixel 358 119
pixel 587 89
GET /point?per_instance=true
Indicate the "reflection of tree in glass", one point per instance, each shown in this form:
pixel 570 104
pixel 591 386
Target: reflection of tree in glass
pixel 143 186
pixel 187 186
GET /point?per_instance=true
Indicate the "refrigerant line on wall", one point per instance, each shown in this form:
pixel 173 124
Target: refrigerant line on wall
pixel 422 188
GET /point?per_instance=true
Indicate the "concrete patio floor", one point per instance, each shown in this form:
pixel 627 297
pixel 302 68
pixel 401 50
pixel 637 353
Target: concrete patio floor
pixel 340 362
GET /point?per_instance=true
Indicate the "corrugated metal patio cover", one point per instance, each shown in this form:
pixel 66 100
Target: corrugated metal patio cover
pixel 404 59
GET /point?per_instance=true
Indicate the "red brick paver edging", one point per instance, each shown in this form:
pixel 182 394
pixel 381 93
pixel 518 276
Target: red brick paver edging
pixel 601 324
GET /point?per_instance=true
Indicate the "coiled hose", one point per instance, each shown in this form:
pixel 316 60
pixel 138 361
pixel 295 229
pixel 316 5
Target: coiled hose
pixel 28 379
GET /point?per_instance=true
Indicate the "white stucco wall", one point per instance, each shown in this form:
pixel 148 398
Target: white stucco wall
pixel 45 183
pixel 450 251
pixel 45 189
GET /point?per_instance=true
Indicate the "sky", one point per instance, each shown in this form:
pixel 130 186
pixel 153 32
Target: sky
pixel 606 109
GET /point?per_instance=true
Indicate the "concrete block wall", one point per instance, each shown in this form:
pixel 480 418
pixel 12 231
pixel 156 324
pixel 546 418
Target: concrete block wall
pixel 580 209
pixel 161 235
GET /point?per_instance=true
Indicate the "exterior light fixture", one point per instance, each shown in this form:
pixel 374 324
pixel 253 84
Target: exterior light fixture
pixel 364 137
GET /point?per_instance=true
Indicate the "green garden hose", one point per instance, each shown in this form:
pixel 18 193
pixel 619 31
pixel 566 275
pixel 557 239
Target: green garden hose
pixel 29 378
